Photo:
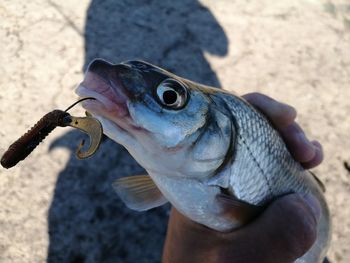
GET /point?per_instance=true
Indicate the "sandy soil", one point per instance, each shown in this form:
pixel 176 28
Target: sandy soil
pixel 57 209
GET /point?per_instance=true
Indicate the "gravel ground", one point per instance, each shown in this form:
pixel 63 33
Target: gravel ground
pixel 55 208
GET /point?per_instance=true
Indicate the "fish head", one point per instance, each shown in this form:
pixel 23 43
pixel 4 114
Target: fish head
pixel 170 125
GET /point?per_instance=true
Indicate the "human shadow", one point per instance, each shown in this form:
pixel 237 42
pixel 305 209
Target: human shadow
pixel 87 220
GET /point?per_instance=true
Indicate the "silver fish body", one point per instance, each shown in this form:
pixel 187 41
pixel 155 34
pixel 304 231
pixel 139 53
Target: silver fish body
pixel 195 142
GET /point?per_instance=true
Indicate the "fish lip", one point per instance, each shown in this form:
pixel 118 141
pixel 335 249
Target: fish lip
pixel 111 100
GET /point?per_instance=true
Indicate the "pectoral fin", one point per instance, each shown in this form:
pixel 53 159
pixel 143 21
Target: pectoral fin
pixel 238 210
pixel 139 192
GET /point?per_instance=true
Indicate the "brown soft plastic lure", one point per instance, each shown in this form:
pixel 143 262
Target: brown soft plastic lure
pixel 22 147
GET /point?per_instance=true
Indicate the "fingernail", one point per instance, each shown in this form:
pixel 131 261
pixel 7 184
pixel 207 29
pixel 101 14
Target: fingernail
pixel 310 149
pixel 289 110
pixel 314 204
pixel 317 145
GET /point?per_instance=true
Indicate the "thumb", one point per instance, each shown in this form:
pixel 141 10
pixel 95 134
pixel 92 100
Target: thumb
pixel 286 229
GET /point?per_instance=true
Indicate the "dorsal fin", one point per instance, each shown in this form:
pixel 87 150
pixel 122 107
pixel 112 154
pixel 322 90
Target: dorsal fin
pixel 322 186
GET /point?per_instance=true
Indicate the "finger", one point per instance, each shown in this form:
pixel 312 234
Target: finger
pixel 278 113
pixel 283 233
pixel 309 154
pixel 299 146
pixel 317 159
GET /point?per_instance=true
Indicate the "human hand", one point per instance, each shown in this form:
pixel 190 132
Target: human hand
pixel 282 233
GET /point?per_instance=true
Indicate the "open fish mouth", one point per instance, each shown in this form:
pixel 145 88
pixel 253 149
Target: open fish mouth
pixel 111 97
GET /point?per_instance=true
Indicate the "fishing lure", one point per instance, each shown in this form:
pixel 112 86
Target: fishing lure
pixel 22 147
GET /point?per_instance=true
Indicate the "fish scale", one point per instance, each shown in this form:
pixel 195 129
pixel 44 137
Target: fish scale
pixel 268 155
pixel 196 144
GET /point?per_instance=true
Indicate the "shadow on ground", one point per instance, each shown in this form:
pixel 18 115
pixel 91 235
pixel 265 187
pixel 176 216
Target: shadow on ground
pixel 87 221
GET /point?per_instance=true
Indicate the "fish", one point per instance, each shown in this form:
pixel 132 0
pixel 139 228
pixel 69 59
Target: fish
pixel 199 145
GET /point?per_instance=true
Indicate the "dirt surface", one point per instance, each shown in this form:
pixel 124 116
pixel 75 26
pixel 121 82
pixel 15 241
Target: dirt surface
pixel 55 208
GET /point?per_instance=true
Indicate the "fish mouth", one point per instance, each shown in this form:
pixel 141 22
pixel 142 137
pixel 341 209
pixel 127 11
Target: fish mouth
pixel 111 99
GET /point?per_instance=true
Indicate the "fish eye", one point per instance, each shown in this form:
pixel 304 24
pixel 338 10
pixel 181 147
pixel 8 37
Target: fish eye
pixel 172 94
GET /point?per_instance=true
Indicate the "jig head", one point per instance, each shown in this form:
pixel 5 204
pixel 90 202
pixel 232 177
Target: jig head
pixel 22 147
